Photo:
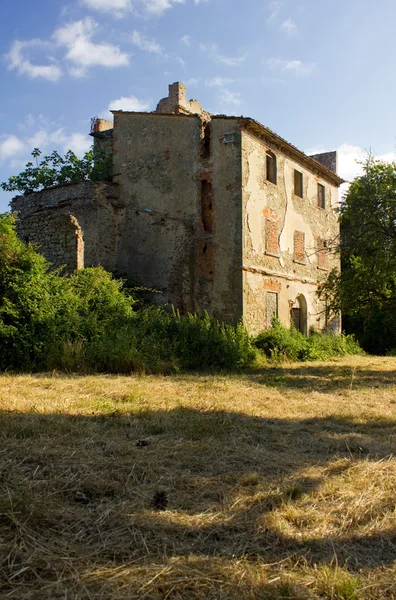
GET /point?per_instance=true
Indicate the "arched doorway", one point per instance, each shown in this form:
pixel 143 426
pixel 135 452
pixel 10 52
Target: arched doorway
pixel 299 314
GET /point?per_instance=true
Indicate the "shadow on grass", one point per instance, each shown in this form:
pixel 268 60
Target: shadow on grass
pixel 77 497
pixel 325 379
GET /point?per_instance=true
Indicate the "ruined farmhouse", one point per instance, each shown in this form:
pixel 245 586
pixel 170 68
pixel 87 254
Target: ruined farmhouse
pixel 216 213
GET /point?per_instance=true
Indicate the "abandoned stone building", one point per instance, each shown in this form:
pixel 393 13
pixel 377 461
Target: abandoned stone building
pixel 214 212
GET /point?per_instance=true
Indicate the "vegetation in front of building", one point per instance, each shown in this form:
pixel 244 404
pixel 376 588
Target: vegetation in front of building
pixel 280 343
pixel 87 322
pixel 365 290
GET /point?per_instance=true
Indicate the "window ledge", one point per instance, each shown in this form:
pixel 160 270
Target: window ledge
pixel 300 262
pixel 323 268
pixel 267 181
pixel 298 197
pixel 272 254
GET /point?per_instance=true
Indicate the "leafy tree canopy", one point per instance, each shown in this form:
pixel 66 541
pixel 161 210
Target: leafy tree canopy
pixel 52 170
pixel 365 290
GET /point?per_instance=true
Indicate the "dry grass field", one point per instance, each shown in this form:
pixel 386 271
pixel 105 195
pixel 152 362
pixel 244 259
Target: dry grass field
pixel 278 482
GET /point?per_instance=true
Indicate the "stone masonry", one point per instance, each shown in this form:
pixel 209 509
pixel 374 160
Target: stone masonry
pixel 215 213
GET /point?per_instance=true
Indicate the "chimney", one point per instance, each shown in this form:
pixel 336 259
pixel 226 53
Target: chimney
pixel 177 93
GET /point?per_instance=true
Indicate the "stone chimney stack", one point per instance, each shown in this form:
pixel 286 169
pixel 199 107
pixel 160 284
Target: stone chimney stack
pixel 177 103
pixel 177 93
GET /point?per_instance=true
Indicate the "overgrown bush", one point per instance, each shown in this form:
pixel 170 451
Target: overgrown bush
pixel 86 322
pixel 157 341
pixel 279 343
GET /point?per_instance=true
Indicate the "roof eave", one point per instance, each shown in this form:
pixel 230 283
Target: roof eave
pixel 259 129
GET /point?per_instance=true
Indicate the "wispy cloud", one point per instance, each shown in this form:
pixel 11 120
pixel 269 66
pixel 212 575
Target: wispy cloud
pixel 76 36
pixel 230 61
pixel 297 67
pixel 289 27
pixel 119 8
pixel 19 60
pixel 228 97
pixel 274 8
pixel 192 81
pixel 147 45
pixel 186 40
pixel 218 81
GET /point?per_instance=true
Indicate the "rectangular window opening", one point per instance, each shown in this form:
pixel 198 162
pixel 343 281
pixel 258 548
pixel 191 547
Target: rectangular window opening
pixel 271 308
pixel 205 149
pixel 206 205
pixel 271 167
pixel 298 184
pixel 321 196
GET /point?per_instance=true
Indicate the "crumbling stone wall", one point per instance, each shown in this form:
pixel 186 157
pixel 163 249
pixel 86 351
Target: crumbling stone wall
pixel 88 213
pixel 57 235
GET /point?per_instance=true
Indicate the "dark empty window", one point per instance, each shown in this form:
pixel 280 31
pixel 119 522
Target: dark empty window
pixel 298 183
pixel 206 205
pixel 271 167
pixel 321 196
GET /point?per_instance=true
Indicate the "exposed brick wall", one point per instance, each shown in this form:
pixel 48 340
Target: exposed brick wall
pixel 299 246
pixel 272 285
pixel 271 237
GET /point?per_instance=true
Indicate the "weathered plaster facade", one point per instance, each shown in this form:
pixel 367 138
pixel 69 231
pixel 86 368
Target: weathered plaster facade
pixel 216 213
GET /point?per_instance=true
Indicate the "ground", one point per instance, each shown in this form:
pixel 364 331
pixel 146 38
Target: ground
pixel 277 482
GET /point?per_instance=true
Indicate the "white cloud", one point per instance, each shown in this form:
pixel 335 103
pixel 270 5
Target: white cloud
pixel 229 61
pixel 297 67
pixel 218 81
pixel 82 52
pixel 229 97
pixel 10 146
pixel 18 60
pixel 145 44
pixel 127 103
pixel 186 39
pixel 289 27
pixel 47 139
pixel 117 7
pixel 157 7
pixel 120 7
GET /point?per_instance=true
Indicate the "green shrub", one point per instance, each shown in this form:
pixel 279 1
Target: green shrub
pixel 158 341
pixel 86 322
pixel 279 343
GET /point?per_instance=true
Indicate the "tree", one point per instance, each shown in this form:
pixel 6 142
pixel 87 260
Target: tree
pixel 52 170
pixel 365 290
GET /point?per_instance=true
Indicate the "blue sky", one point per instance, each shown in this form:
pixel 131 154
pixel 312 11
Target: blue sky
pixel 318 72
